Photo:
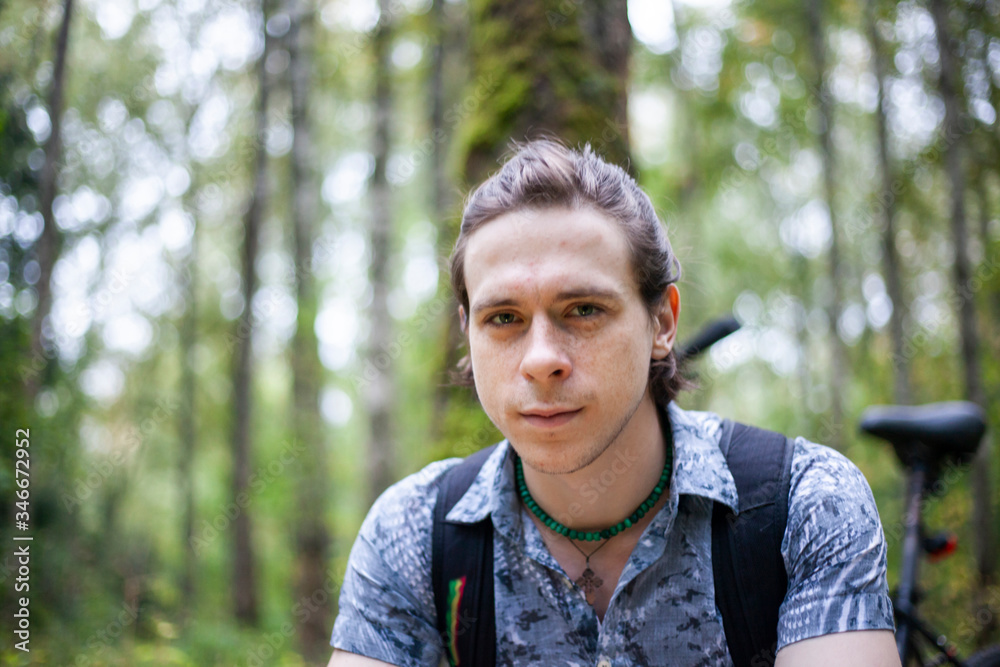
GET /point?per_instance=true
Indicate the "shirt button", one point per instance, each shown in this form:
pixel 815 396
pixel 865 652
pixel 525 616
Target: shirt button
pixel 604 662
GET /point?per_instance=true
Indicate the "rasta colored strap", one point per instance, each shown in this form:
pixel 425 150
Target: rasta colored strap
pixel 462 572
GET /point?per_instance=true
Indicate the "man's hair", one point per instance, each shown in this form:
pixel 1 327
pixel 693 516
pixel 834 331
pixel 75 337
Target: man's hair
pixel 546 174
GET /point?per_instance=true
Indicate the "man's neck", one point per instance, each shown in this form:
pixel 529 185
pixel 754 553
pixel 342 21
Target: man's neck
pixel 613 485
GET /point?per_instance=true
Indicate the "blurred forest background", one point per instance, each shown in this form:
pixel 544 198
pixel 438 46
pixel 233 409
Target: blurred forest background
pixel 224 315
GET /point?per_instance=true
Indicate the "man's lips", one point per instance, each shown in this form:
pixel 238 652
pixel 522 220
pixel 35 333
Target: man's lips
pixel 551 418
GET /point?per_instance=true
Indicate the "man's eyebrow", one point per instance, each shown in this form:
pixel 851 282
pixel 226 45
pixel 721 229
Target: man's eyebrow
pixel 494 303
pixel 567 295
pixel 589 293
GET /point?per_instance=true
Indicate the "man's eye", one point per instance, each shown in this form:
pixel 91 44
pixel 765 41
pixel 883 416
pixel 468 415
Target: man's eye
pixel 585 310
pixel 503 318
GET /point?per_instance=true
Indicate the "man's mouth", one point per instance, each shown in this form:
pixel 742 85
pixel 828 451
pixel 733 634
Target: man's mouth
pixel 550 417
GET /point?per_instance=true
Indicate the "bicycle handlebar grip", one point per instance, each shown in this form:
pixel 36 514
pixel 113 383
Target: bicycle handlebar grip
pixel 708 336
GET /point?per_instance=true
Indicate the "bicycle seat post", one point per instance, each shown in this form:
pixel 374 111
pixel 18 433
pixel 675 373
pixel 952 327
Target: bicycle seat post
pixel 916 478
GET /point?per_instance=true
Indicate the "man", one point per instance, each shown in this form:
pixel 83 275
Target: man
pixel 565 283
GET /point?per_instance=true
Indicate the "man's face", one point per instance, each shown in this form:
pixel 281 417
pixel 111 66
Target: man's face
pixel 559 336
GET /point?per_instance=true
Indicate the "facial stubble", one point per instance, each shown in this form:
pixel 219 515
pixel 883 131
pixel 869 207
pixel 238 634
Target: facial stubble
pixel 596 452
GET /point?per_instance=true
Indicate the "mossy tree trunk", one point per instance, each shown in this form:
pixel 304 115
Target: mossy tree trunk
pixel 557 67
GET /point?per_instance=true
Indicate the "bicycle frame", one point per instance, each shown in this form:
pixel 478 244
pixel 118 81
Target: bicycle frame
pixel 904 603
pixel 911 556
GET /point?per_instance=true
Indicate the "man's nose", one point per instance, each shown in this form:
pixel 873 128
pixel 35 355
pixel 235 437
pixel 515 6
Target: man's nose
pixel 545 356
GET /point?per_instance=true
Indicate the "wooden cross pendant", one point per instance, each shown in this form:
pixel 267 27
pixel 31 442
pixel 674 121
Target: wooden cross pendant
pixel 589 582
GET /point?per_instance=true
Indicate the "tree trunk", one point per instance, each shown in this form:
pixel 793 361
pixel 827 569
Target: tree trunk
pixel 439 188
pixel 983 208
pixel 887 198
pixel 801 272
pixel 187 427
pixel 379 392
pixel 814 19
pixel 244 573
pixel 989 24
pixel 949 84
pixel 187 424
pixel 577 92
pixel 984 162
pixel 439 203
pixel 50 241
pixel 985 215
pixel 313 538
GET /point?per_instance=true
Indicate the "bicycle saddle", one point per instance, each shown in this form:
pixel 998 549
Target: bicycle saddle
pixel 951 429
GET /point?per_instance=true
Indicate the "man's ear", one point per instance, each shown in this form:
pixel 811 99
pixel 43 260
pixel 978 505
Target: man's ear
pixel 462 320
pixel 666 323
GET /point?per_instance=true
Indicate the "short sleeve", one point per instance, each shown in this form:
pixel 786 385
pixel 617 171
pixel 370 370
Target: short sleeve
pixel 386 608
pixel 834 550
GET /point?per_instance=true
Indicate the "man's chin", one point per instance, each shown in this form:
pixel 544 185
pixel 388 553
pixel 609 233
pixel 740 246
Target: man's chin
pixel 554 459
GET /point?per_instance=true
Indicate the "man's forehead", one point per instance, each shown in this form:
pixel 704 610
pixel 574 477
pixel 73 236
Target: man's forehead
pixel 585 224
pixel 553 245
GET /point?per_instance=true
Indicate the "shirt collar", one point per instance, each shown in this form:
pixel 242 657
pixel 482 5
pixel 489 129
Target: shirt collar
pixel 486 491
pixel 699 469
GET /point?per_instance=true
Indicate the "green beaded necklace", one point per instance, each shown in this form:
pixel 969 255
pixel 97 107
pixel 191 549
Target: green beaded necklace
pixel 594 535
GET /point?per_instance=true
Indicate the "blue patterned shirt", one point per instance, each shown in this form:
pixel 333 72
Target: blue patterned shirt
pixel 663 608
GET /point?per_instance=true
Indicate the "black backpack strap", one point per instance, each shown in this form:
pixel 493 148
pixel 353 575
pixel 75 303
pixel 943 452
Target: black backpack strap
pixel 462 572
pixel 749 571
